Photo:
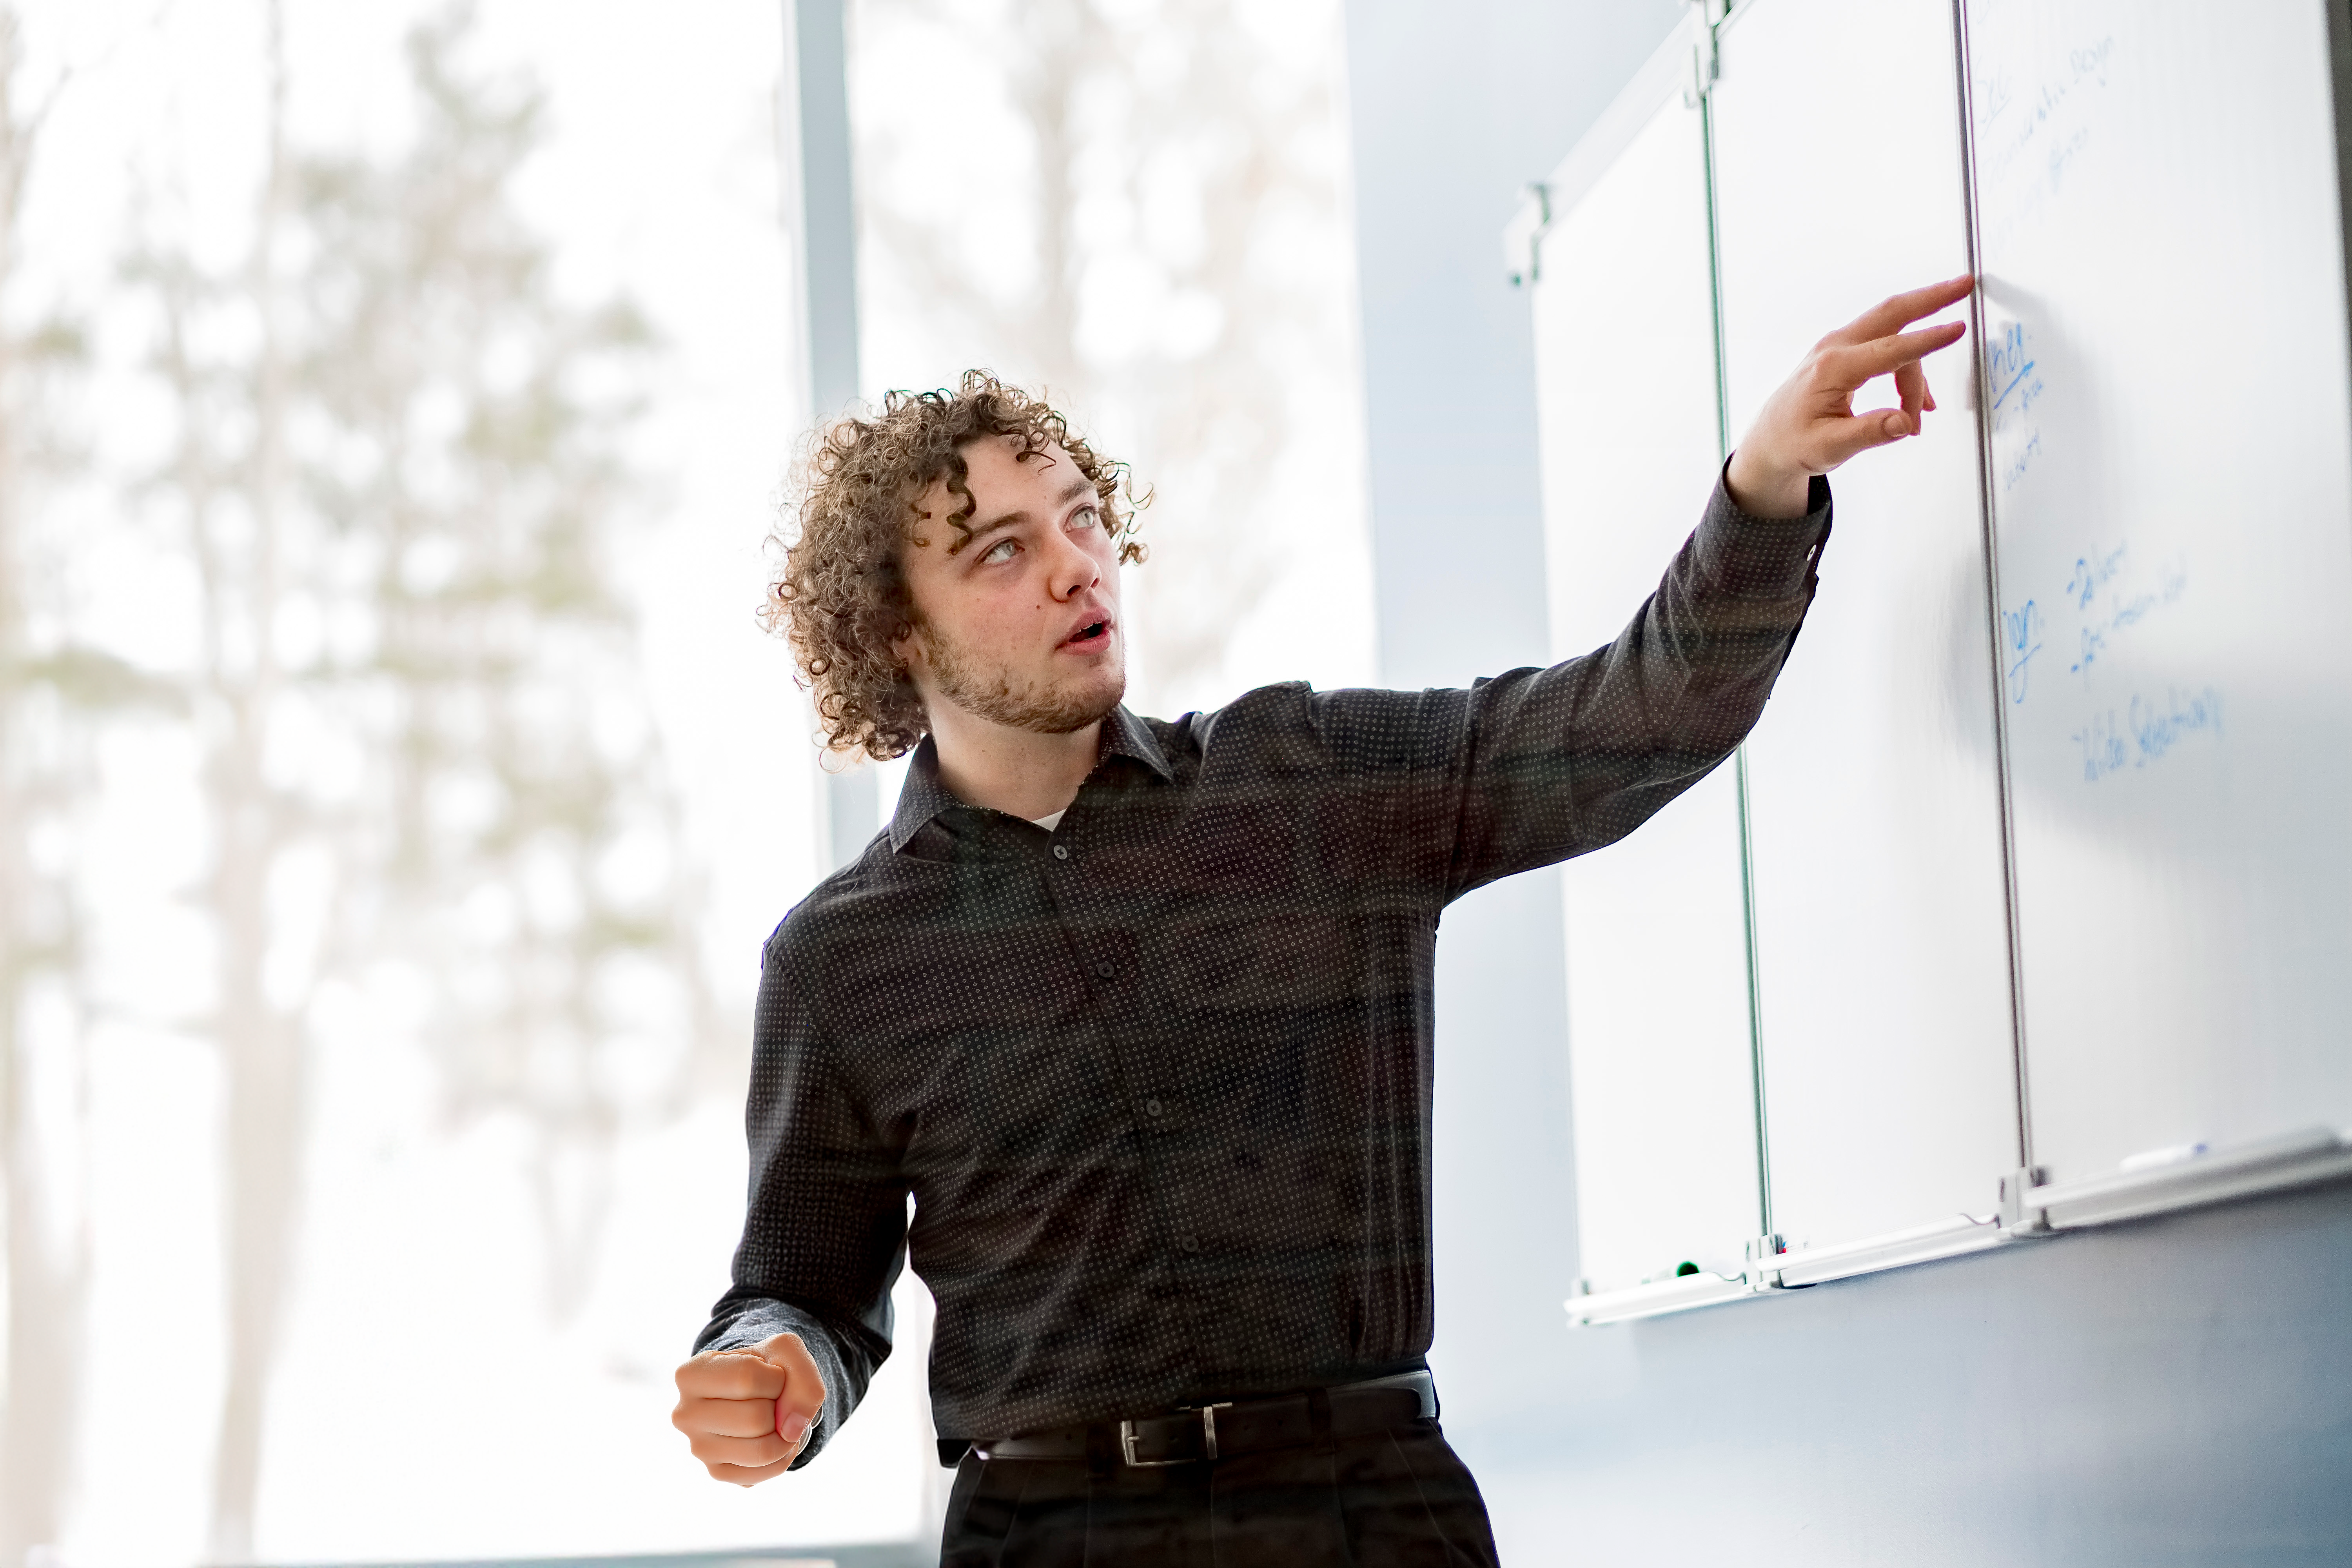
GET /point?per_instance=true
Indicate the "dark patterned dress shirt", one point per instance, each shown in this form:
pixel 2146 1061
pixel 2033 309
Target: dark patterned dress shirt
pixel 1158 1080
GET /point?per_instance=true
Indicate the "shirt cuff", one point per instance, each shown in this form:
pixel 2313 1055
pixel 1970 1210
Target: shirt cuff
pixel 1750 557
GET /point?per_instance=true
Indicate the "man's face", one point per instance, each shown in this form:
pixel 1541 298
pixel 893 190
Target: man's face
pixel 1020 624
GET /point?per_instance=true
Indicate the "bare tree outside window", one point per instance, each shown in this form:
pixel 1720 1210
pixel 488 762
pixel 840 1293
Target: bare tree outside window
pixel 48 688
pixel 1138 204
pixel 58 690
pixel 431 778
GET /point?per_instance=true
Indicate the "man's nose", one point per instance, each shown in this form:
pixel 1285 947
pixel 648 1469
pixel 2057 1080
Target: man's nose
pixel 1071 571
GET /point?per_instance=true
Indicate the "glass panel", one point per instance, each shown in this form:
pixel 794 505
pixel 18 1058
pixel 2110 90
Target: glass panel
pixel 2171 477
pixel 1873 797
pixel 1657 988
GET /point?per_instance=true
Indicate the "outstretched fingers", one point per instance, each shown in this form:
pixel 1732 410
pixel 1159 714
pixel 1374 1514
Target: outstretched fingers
pixel 1897 312
pixel 1847 366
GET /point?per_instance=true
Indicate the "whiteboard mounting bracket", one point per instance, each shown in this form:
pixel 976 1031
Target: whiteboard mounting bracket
pixel 1523 236
pixel 1763 1270
pixel 1707 65
pixel 2020 1214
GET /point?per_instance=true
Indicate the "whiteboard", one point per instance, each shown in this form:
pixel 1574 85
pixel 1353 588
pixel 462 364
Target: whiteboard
pixel 1874 824
pixel 1661 1069
pixel 2164 341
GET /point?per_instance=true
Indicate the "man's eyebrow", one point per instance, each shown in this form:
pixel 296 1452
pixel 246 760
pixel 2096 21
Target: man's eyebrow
pixel 1077 487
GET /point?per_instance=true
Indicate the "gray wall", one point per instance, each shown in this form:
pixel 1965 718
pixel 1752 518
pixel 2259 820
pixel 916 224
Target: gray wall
pixel 2177 1390
pixel 1456 108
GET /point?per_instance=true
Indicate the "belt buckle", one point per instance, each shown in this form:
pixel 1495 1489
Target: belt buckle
pixel 1127 1436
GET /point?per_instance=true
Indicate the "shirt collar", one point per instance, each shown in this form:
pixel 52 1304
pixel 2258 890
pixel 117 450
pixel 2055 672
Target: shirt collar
pixel 923 796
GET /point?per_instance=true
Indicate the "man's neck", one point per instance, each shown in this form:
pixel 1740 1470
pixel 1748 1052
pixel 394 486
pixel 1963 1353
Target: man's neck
pixel 1018 772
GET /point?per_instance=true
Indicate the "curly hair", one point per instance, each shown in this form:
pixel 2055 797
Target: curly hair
pixel 841 599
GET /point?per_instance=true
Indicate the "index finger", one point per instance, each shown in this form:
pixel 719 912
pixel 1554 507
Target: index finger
pixel 1900 310
pixel 731 1374
pixel 1851 365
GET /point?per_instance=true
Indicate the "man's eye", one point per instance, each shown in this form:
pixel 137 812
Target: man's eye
pixel 1003 550
pixel 1085 517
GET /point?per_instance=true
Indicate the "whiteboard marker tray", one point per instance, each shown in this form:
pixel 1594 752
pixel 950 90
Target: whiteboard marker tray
pixel 2289 1159
pixel 1659 1297
pixel 1922 1243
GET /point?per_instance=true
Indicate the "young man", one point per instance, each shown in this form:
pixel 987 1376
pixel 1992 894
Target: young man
pixel 1139 1012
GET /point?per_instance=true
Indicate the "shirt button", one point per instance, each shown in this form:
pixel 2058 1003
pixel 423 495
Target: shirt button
pixel 1188 1244
pixel 1152 1108
pixel 1061 851
pixel 1106 970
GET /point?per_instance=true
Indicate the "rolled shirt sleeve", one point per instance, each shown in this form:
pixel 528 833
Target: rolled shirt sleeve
pixel 824 1234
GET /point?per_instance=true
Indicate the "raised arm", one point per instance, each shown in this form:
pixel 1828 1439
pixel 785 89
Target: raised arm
pixel 1537 765
pixel 1545 764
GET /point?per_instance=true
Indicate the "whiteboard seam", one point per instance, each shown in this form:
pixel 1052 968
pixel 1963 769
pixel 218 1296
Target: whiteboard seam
pixel 1966 97
pixel 2339 73
pixel 1739 754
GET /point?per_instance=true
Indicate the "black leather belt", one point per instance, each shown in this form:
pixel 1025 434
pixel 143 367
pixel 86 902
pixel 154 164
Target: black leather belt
pixel 1237 1426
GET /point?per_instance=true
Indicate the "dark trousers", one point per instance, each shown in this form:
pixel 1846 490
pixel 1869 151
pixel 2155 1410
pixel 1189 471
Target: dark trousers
pixel 1382 1500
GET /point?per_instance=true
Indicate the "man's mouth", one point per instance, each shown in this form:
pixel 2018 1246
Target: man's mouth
pixel 1088 635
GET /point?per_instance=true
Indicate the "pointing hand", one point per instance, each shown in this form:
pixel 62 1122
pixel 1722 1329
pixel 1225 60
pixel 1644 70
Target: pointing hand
pixel 1809 425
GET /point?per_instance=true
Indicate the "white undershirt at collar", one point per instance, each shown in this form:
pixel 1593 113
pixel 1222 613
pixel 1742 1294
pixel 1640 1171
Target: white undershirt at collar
pixel 1050 821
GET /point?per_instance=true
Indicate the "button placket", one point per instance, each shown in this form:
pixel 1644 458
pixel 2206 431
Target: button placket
pixel 1077 910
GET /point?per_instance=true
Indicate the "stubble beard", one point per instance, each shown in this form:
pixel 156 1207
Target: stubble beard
pixel 991 694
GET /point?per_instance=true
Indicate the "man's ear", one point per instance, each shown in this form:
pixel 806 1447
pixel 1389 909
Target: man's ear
pixel 908 651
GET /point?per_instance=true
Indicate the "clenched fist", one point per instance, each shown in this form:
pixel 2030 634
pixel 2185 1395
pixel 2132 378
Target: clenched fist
pixel 747 1413
pixel 1808 426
